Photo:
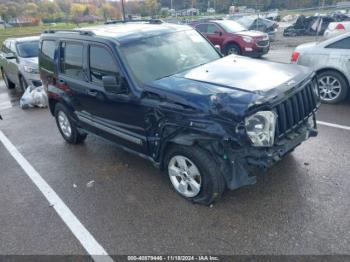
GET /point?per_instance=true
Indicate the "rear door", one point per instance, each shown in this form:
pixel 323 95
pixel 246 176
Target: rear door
pixel 73 79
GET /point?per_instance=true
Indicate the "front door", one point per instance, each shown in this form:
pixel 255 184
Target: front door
pixel 116 113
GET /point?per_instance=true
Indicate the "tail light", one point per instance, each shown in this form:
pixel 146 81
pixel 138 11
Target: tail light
pixel 295 57
pixel 340 27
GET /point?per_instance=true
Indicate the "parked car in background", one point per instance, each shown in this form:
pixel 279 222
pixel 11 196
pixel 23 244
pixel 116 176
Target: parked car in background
pixel 233 38
pixel 331 61
pixel 19 62
pixel 164 93
pixel 258 24
pixel 311 25
pixel 337 28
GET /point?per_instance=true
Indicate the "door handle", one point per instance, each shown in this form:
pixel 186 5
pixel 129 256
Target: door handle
pixel 92 92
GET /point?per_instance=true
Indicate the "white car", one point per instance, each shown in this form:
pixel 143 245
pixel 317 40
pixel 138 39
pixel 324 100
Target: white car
pixel 330 59
pixel 337 28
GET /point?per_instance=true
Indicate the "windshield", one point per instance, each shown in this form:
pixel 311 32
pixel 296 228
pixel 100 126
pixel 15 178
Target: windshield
pixel 160 56
pixel 28 49
pixel 245 21
pixel 231 26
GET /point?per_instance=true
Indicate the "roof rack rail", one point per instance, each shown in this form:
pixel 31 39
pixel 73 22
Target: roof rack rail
pixel 151 21
pixel 82 32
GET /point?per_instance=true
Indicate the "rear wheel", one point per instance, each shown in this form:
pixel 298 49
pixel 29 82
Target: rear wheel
pixel 333 86
pixel 194 174
pixel 7 81
pixel 66 126
pixel 232 49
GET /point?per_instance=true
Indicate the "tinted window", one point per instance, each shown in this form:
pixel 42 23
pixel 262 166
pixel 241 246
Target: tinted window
pixel 28 49
pixel 48 49
pixel 72 60
pixel 202 28
pixel 101 64
pixel 212 29
pixel 341 44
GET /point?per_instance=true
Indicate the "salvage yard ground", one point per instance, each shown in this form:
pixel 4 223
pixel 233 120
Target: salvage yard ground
pixel 300 206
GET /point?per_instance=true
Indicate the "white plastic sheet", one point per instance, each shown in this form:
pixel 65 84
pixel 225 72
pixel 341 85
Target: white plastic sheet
pixel 34 96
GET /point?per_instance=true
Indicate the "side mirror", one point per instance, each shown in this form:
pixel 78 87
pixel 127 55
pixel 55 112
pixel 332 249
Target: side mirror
pixel 10 56
pixel 114 84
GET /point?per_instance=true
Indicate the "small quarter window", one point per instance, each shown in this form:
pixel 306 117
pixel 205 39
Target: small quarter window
pixel 72 60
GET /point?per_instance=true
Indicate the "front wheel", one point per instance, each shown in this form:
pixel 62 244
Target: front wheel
pixel 194 174
pixel 232 49
pixel 333 86
pixel 66 126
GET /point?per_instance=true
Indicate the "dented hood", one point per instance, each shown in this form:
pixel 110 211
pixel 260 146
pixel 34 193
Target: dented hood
pixel 247 74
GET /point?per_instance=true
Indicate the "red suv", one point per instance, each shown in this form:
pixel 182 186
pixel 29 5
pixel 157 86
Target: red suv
pixel 234 38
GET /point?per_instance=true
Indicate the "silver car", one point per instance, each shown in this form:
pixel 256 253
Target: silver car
pixel 19 62
pixel 331 60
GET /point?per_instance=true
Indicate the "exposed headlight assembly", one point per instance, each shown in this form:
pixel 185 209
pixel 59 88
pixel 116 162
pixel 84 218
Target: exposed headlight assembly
pixel 260 128
pixel 247 39
pixel 30 69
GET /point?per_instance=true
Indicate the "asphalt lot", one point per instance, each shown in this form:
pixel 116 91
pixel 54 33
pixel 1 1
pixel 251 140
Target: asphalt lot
pixel 300 206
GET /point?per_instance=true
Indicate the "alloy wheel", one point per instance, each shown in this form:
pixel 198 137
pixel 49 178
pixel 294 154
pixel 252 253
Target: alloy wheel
pixel 185 176
pixel 330 88
pixel 64 124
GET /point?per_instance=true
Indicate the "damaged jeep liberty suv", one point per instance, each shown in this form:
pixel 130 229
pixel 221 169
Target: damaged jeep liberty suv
pixel 164 92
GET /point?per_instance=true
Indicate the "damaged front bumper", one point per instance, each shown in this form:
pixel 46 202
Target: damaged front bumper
pixel 263 158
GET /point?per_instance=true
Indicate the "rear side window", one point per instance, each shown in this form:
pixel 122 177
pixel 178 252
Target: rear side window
pixel 72 60
pixel 341 44
pixel 101 64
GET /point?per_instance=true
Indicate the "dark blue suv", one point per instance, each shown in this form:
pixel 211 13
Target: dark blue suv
pixel 163 92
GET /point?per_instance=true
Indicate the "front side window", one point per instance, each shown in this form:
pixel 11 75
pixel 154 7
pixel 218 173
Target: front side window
pixel 202 28
pixel 101 64
pixel 212 29
pixel 28 49
pixel 159 56
pixel 48 49
pixel 72 60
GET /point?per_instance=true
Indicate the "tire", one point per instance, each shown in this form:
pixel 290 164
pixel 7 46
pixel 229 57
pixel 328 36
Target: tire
pixel 22 83
pixel 66 126
pixel 333 86
pixel 211 182
pixel 232 49
pixel 8 82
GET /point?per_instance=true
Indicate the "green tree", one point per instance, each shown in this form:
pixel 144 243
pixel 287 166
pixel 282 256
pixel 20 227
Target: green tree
pixel 152 6
pixel 31 9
